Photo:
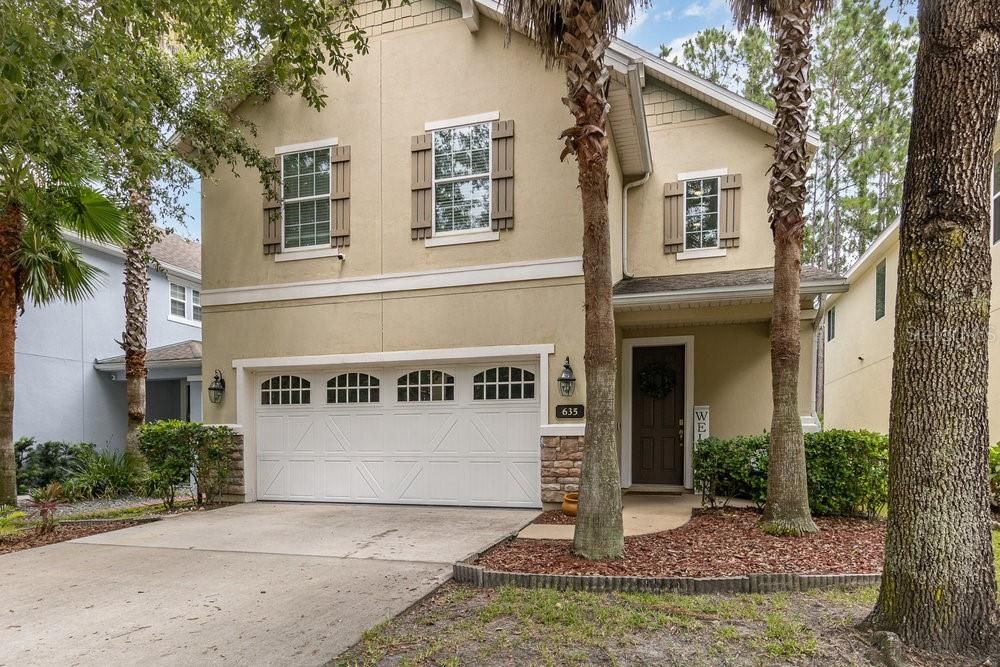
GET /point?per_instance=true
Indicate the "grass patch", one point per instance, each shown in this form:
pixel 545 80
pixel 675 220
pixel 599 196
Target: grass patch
pixel 785 638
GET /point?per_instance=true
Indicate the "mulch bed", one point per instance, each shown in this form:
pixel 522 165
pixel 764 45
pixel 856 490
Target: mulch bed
pixel 61 533
pixel 713 544
pixel 555 517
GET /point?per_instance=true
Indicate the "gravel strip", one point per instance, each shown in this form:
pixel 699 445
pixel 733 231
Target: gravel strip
pixel 99 504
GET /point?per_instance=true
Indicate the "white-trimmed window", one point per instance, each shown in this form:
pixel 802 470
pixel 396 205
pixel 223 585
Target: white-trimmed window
pixel 185 304
pixel 352 388
pixel 462 179
pixel 996 197
pixel 305 186
pixel 701 213
pixel 503 383
pixel 425 385
pixel 831 324
pixel 285 390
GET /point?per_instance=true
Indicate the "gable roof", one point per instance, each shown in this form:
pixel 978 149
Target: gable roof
pixel 176 251
pixel 186 352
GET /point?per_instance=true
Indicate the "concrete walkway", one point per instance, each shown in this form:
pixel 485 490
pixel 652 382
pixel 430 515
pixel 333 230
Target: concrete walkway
pixel 641 513
pixel 257 584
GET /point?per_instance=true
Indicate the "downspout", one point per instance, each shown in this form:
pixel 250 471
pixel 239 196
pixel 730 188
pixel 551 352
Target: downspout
pixel 636 72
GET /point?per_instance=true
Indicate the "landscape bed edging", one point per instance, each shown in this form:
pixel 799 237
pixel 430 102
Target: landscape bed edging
pixel 751 583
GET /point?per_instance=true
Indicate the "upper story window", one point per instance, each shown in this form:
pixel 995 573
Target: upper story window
pixel 305 186
pixel 185 304
pixel 831 324
pixel 503 383
pixel 701 213
pixel 352 388
pixel 285 390
pixel 425 385
pixel 996 197
pixel 462 179
pixel 880 290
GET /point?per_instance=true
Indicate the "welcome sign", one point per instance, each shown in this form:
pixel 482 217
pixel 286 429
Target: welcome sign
pixel 700 423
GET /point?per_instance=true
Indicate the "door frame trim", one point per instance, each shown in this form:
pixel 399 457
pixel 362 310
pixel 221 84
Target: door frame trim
pixel 628 353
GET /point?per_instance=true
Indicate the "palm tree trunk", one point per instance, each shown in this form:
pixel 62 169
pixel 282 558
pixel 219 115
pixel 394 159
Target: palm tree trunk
pixel 787 508
pixel 598 534
pixel 938 583
pixel 137 257
pixel 10 241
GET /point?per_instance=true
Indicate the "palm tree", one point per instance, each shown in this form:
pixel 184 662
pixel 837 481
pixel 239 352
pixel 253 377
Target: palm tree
pixel 38 263
pixel 787 508
pixel 142 234
pixel 575 34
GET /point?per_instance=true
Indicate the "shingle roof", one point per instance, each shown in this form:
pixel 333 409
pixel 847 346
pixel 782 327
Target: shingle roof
pixel 721 280
pixel 178 251
pixel 188 350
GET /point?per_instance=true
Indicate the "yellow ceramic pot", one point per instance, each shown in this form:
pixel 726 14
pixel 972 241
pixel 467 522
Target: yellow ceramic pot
pixel 569 503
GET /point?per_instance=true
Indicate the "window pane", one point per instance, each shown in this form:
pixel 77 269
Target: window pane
pixel 177 292
pixel 177 308
pixel 196 313
pixel 529 391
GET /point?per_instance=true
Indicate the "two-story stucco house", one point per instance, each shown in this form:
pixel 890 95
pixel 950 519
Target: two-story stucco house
pixel 70 375
pixel 394 329
pixel 859 332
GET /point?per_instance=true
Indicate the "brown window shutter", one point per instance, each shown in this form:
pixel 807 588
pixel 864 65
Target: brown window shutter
pixel 421 194
pixel 729 211
pixel 502 173
pixel 340 196
pixel 673 217
pixel 272 216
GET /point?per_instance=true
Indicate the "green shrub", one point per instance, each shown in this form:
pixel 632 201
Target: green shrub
pixel 106 474
pixel 995 477
pixel 177 451
pixel 41 463
pixel 12 520
pixel 847 471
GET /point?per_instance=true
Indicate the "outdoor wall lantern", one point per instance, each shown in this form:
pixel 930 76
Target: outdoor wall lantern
pixel 217 388
pixel 567 381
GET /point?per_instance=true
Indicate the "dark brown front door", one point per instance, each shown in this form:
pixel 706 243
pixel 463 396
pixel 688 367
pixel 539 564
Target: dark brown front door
pixel 657 415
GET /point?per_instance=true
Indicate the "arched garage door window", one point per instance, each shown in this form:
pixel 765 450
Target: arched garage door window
pixel 285 390
pixel 352 388
pixel 425 385
pixel 503 383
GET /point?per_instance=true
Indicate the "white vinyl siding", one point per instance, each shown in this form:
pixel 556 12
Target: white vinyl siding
pixel 701 213
pixel 462 179
pixel 305 185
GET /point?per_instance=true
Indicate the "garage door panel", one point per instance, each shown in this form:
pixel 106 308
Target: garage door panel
pixel 300 434
pixel 458 452
pixel 270 434
pixel 272 478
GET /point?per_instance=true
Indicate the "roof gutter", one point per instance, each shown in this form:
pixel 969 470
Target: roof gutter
pixel 635 77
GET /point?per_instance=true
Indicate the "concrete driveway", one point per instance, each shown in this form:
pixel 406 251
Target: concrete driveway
pixel 256 584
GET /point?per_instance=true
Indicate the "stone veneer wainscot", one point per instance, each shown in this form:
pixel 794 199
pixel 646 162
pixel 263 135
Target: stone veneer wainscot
pixel 562 458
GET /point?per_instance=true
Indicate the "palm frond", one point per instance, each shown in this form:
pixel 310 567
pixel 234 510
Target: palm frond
pixel 763 12
pixel 543 20
pixel 88 213
pixel 52 268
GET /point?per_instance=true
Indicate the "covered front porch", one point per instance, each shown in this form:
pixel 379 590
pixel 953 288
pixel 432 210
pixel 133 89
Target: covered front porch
pixel 694 362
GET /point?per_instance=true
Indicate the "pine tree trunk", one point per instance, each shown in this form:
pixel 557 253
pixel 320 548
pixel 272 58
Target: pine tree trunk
pixel 938 583
pixel 598 534
pixel 10 241
pixel 137 256
pixel 787 508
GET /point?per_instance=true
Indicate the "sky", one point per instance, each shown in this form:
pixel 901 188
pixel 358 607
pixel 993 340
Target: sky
pixel 664 22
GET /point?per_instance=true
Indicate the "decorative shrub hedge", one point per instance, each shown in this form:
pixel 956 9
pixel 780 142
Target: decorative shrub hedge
pixel 847 471
pixel 41 463
pixel 177 451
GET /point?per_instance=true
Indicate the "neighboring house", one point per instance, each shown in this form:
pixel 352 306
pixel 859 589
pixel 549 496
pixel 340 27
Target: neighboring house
pixel 70 384
pixel 859 329
pixel 395 329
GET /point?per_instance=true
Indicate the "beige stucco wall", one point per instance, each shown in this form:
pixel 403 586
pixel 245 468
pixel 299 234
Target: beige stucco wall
pixel 723 142
pixel 392 93
pixel 540 312
pixel 859 358
pixel 732 370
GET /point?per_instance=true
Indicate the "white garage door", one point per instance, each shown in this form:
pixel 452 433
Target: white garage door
pixel 436 434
